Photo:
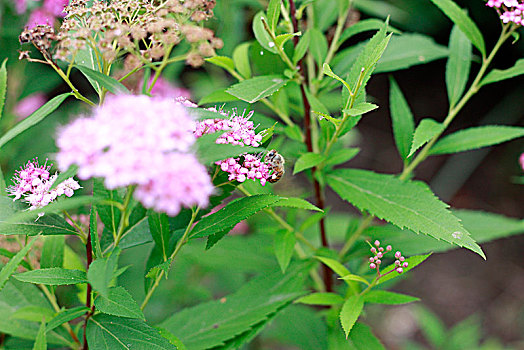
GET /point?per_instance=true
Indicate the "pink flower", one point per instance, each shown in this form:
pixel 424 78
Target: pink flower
pixel 34 183
pixel 521 161
pixel 55 7
pixel 163 88
pixel 508 10
pixel 29 104
pixel 20 6
pixel 142 141
pixel 40 16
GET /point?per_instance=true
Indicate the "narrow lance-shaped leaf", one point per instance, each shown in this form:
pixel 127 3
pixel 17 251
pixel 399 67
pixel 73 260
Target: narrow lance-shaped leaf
pixel 222 61
pixel 476 137
pixel 284 246
pixel 413 261
pixel 159 228
pixel 262 36
pixel 119 303
pixel 459 63
pixel 302 47
pixel 388 298
pixel 318 46
pixel 241 59
pixel 362 338
pixel 54 276
pixel 426 130
pixel 401 119
pixel 498 74
pixel 254 89
pixel 3 186
pixel 351 309
pixel 35 118
pixel 3 86
pixel 11 266
pixel 101 271
pixel 320 299
pixel 363 26
pixel 273 14
pixel 306 161
pixel 110 83
pixel 462 20
pixel 65 316
pixel 408 204
pixel 41 341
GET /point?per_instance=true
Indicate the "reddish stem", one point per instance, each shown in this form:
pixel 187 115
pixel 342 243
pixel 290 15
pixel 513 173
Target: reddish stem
pixel 328 280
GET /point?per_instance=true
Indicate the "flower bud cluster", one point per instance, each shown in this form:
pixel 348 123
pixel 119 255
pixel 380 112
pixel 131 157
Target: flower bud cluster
pixel 239 130
pixel 33 182
pixel 509 10
pixel 379 252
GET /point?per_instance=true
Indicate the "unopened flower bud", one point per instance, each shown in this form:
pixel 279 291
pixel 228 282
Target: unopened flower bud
pixel 372 266
pixel 379 255
pixel 377 243
pixel 388 248
pixel 400 270
pixel 405 264
pixel 398 255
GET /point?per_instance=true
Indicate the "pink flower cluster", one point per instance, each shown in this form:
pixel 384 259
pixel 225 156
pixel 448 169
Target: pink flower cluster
pixel 239 130
pixel 34 182
pixel 141 141
pixel 509 10
pixel 50 10
pixel 379 252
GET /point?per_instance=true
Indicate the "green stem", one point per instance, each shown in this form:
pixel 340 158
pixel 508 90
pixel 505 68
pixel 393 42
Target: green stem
pixel 124 218
pixel 159 70
pixel 75 91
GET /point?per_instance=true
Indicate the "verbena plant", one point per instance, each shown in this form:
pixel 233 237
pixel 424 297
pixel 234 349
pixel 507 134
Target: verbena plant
pixel 160 172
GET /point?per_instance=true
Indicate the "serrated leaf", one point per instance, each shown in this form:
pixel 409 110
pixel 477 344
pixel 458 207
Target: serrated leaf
pixel 302 47
pixel 476 137
pixel 503 74
pixel 52 252
pixel 93 232
pixel 408 204
pixel 35 118
pixel 320 299
pixel 171 337
pixel 110 83
pixel 462 20
pixel 222 61
pixel 350 312
pixel 12 265
pixel 362 338
pixel 273 14
pixel 65 316
pixel 306 161
pixel 352 277
pixel 119 303
pixel 360 108
pixel 425 131
pixel 109 213
pixel 342 155
pixel 388 298
pixel 213 323
pixel 363 26
pixel 54 276
pixel 458 65
pixel 241 59
pixel 254 89
pixel 318 45
pixel 159 228
pixel 156 269
pixel 101 271
pixel 334 265
pixel 401 119
pixel 412 261
pixel 284 246
pixel 41 341
pixel 105 332
pixel 3 85
pixel 262 36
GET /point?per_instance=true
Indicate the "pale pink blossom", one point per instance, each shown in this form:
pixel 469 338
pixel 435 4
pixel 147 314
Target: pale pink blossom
pixel 29 104
pixel 521 161
pixel 164 88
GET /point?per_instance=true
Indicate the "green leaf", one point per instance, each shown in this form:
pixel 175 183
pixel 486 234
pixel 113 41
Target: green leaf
pixel 458 66
pixel 476 137
pixel 87 57
pixel 217 96
pixel 101 271
pixel 46 225
pixel 302 47
pixel 401 119
pixel 213 323
pixel 109 213
pixel 222 61
pixel 64 175
pixel 3 186
pixel 119 303
pixel 412 261
pixel 273 14
pixel 356 278
pixel 462 20
pixel 426 130
pixel 294 133
pixel 350 311
pixel 110 83
pixel 172 338
pixel 35 118
pixel 281 39
pixel 93 232
pixel 363 26
pixel 318 45
pixel 254 89
pixel 209 151
pixel 362 338
pixel 284 246
pixel 334 265
pixel 360 108
pixel 241 59
pixel 33 313
pixel 262 36
pixel 499 74
pixel 159 228
pixel 52 252
pixel 41 341
pixel 65 316
pixel 306 161
pixel 326 69
pixel 431 326
pixel 3 85
pixel 409 50
pixel 294 202
pixel 388 298
pixel 408 204
pixel 342 155
pixel 105 332
pixel 54 276
pixel 11 266
pixel 320 299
